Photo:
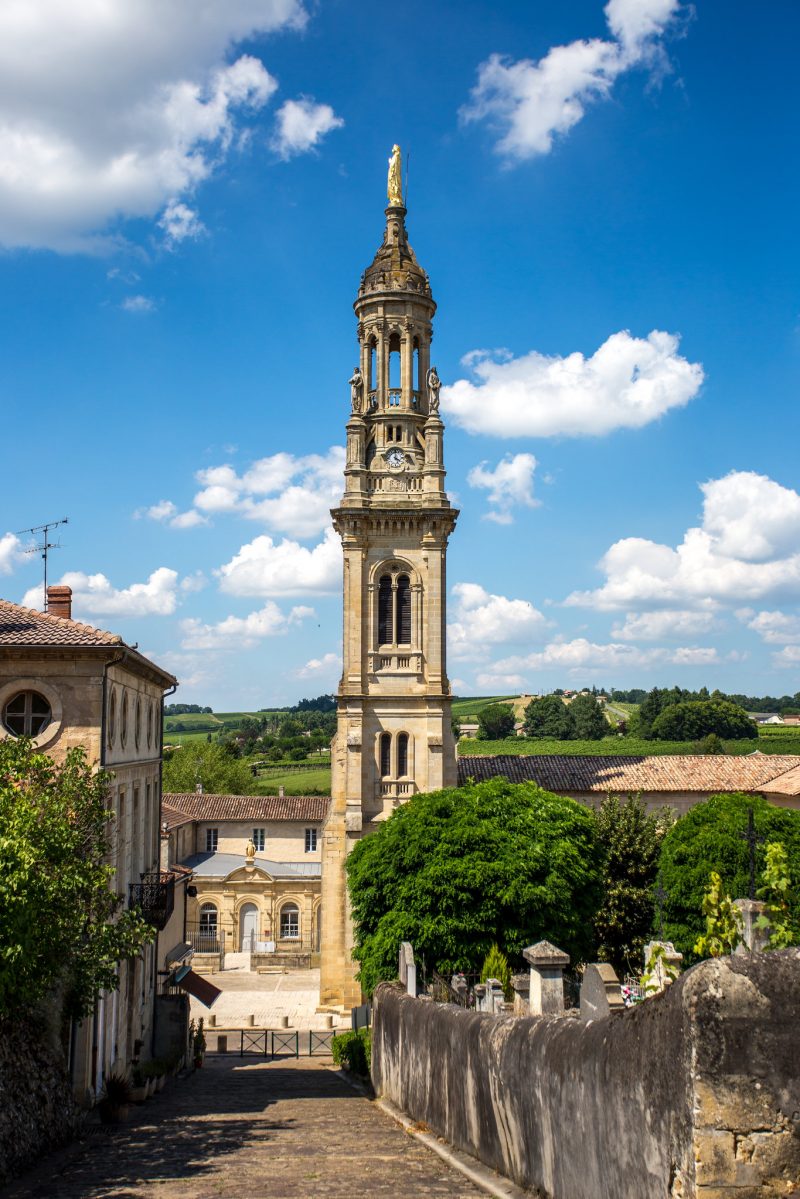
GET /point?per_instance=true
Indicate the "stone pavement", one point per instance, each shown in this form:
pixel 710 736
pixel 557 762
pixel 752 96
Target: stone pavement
pixel 249 1130
pixel 266 997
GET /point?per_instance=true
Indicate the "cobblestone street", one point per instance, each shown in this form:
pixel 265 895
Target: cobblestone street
pixel 238 1129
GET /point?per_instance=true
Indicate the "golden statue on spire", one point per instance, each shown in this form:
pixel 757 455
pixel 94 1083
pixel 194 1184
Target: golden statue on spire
pixel 394 187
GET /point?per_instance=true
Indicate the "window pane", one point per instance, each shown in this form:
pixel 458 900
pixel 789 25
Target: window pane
pixel 404 610
pixel 402 755
pixel 385 611
pixel 27 714
pixel 386 755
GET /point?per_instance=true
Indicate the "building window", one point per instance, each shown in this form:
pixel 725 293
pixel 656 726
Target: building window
pixel 208 928
pixel 123 722
pixel 27 714
pixel 212 840
pixel 403 610
pixel 259 838
pixel 386 755
pixel 385 604
pixel 112 718
pixel 137 722
pixel 394 610
pixel 290 922
pixel 150 724
pixel 311 840
pixel 402 755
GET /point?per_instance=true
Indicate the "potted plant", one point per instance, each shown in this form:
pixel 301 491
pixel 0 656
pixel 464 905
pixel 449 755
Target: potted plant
pixel 115 1100
pixel 199 1045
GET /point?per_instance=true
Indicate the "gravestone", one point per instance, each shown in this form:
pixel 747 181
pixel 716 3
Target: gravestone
pixel 600 992
pixel 407 968
pixel 547 965
pixel 753 939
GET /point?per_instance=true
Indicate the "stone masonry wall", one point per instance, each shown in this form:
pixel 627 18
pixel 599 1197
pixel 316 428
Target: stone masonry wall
pixel 37 1111
pixel 692 1094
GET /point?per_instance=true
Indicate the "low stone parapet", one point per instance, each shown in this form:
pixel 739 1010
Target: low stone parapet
pixel 693 1093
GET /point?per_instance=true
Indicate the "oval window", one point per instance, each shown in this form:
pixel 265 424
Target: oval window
pixel 27 714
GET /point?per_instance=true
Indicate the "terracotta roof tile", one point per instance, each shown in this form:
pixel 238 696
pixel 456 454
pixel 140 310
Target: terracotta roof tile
pixel 664 773
pixel 784 784
pixel 246 807
pixel 26 626
pixel 172 817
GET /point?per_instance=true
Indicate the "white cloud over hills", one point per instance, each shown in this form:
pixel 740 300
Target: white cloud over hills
pixel 483 621
pixel 266 568
pixel 94 595
pixel 122 109
pixel 241 632
pixel 530 103
pixel 626 384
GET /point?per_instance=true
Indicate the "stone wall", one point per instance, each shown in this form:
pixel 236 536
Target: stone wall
pixel 694 1093
pixel 37 1111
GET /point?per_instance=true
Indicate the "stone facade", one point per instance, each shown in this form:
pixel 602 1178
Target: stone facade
pixel 394 736
pixel 105 697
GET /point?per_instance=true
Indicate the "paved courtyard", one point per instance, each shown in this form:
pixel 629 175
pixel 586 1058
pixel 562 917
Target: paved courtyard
pixel 266 997
pixel 249 1130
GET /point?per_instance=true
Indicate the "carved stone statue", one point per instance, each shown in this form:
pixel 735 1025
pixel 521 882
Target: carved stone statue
pixel 250 852
pixel 356 382
pixel 434 384
pixel 394 189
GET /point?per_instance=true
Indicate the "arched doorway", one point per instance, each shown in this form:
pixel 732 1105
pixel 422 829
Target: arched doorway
pixel 248 927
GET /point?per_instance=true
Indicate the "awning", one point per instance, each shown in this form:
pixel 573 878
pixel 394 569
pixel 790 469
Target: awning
pixel 181 951
pixel 204 991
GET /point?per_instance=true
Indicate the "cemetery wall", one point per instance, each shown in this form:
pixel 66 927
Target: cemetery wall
pixel 694 1093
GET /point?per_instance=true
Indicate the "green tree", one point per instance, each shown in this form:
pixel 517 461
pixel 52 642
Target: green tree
pixel 709 837
pixel 776 892
pixel 496 722
pixel 549 718
pixel 455 872
pixel 631 839
pixel 197 762
pixel 495 965
pixel 723 930
pixel 693 719
pixel 61 925
pixel 589 721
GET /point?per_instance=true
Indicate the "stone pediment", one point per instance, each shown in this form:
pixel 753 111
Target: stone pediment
pixel 253 874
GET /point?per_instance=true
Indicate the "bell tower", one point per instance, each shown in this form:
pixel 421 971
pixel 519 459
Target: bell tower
pixel 394 737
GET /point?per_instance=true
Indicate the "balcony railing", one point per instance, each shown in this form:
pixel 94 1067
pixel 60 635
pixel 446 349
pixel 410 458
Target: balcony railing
pixel 154 896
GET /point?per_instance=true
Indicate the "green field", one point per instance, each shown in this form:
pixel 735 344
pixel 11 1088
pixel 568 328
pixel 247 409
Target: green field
pixel 623 746
pixel 295 782
pixel 468 709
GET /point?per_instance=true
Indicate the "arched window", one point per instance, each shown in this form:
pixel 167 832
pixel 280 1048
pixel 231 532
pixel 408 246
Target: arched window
pixel 394 370
pixel 386 755
pixel 123 722
pixel 149 724
pixel 403 610
pixel 290 922
pixel 385 614
pixel 137 722
pixel 27 714
pixel 112 719
pixel 402 755
pixel 208 927
pixel 373 371
pixel 416 384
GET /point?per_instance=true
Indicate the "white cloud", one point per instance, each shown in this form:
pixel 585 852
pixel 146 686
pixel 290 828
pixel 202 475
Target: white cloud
pixel 180 222
pixel 509 484
pixel 94 595
pixel 776 628
pixel 120 110
pixel 301 125
pixel 789 656
pixel 194 582
pixel 482 620
pixel 530 103
pixel 288 494
pixel 626 384
pixel 747 548
pixel 263 567
pixel 138 305
pixel 167 513
pixel 240 632
pixel 12 552
pixel 669 622
pixel 581 654
pixel 328 665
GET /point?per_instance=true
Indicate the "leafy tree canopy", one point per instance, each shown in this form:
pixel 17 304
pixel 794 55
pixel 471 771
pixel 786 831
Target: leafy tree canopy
pixel 209 764
pixel 709 838
pixel 587 716
pixel 496 722
pixel 549 717
pixel 455 872
pixel 632 841
pixel 61 926
pixel 693 719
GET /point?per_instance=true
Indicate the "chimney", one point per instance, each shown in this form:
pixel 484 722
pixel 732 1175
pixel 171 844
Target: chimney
pixel 198 788
pixel 59 601
pixel 280 792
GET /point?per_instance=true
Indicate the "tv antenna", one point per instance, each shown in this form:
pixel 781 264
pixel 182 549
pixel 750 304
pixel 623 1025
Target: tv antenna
pixel 45 545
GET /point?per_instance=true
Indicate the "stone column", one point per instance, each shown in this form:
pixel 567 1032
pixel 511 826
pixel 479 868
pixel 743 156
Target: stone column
pixel 547 965
pixel 522 991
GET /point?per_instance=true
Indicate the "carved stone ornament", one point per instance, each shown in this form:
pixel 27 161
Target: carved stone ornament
pixel 435 744
pixel 354 739
pixel 397 484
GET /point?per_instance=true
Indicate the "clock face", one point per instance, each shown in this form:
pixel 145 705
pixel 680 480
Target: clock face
pixel 395 457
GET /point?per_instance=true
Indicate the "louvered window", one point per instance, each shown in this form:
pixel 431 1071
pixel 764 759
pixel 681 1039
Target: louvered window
pixel 385 621
pixel 386 755
pixel 403 610
pixel 402 755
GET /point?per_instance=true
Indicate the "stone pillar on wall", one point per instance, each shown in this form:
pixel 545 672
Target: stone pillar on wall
pixel 665 968
pixel 754 938
pixel 521 984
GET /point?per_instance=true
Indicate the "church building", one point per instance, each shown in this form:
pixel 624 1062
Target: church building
pixel 394 736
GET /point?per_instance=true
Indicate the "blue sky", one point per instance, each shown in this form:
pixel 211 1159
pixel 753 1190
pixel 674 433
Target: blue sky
pixel 605 200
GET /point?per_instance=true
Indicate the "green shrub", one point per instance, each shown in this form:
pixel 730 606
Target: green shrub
pixel 697 718
pixel 495 965
pixel 549 717
pixel 353 1051
pixel 496 722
